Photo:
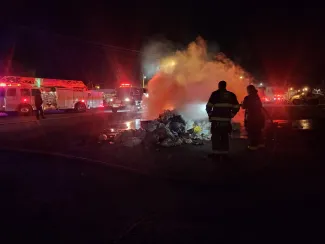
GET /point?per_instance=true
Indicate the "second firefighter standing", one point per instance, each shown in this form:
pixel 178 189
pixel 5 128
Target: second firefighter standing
pixel 254 118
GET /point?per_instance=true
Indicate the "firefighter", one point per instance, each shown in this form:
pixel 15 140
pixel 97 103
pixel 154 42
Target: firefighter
pixel 221 108
pixel 38 105
pixel 254 118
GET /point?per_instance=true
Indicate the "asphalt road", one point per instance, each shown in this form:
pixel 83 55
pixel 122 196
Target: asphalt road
pixel 59 185
pixel 55 199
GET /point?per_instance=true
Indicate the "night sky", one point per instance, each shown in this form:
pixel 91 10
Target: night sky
pixel 67 40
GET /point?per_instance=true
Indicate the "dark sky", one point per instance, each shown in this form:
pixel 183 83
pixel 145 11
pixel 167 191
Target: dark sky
pixel 59 40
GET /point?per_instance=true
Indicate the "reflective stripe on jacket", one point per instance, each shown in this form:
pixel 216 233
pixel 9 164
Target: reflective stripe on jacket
pixel 222 105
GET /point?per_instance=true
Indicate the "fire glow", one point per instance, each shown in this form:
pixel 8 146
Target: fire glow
pixel 189 77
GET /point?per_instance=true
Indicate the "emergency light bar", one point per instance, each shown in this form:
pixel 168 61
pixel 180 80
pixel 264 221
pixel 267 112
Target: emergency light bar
pixel 10 84
pixel 125 85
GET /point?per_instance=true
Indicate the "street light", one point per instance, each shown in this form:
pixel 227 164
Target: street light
pixel 241 77
pixel 143 79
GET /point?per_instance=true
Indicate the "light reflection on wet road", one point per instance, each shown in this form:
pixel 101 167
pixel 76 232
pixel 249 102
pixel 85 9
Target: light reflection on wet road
pixel 133 121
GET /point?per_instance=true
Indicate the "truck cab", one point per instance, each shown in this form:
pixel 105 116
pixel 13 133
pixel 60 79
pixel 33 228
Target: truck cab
pixel 17 98
pixel 127 97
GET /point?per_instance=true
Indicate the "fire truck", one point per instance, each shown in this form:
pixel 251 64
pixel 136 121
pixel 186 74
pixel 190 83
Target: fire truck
pixel 17 94
pixel 272 95
pixel 127 97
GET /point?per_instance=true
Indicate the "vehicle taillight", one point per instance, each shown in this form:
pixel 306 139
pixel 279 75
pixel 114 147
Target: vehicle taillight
pixel 24 100
pixel 82 100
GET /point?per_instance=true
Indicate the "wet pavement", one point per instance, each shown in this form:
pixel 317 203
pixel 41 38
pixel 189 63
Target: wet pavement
pixel 160 195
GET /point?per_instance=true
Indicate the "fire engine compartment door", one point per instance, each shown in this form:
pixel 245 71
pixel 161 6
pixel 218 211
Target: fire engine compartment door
pixel 79 96
pixel 25 96
pixel 64 98
pixel 94 99
pixel 12 99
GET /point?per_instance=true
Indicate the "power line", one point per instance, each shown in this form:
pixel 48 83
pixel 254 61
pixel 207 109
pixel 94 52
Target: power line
pixel 85 41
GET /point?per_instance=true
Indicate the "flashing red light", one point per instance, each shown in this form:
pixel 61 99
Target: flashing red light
pixel 125 85
pixel 3 84
pixel 25 100
pixel 82 100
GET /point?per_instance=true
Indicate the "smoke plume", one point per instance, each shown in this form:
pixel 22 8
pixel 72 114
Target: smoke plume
pixel 186 79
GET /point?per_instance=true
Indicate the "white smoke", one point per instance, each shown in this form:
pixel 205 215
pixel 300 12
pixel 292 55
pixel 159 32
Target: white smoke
pixel 187 78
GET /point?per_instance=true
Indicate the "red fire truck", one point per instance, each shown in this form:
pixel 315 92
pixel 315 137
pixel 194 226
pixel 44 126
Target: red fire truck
pixel 127 97
pixel 17 94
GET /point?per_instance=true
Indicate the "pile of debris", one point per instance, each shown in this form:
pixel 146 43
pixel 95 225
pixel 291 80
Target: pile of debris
pixel 169 129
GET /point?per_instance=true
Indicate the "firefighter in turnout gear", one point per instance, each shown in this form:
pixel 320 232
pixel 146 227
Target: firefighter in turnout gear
pixel 254 118
pixel 221 108
pixel 38 105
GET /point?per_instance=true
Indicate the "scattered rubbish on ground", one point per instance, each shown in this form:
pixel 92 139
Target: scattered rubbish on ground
pixel 168 130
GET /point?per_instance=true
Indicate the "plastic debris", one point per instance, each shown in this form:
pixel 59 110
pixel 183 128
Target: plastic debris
pixel 167 143
pixel 132 142
pixel 168 130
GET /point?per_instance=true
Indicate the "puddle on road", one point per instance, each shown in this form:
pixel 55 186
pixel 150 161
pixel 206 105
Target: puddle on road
pixel 303 124
pixel 134 122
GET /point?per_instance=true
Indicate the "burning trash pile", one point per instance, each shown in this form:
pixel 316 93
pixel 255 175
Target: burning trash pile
pixel 168 130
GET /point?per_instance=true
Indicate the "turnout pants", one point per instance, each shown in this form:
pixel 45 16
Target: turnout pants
pixel 255 138
pixel 220 136
pixel 39 111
